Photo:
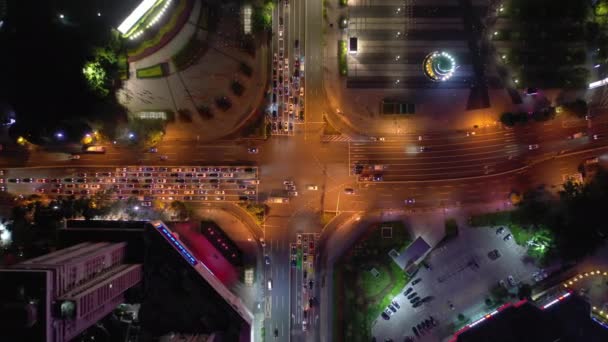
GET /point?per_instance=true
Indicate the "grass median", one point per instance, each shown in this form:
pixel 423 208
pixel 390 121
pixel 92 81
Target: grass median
pixel 155 71
pixel 342 60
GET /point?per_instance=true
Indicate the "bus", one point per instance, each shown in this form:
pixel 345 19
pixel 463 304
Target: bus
pixel 94 149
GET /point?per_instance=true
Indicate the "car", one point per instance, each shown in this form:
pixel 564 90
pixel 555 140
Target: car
pixel 42 180
pixel 41 190
pixel 408 291
pixel 395 304
pixel 415 331
pixel 56 191
pixel 146 204
pixel 349 191
pixel 507 237
pixel 249 192
pixel 377 178
pixel 74 157
pixel 276 332
pixel 267 260
pixel 393 309
pixel 511 280
pixel 416 281
pixel 531 91
pixel 14 180
pixel 532 147
pixel 27 180
pixel 410 201
pixel 427 299
pixel 292 193
pixel 164 157
pixel 312 187
pixel 269 284
pixel 597 136
pixel 385 316
pixel 412 295
pixel 253 150
pixel 493 255
pixel 500 230
pixel 388 312
pixel 225 175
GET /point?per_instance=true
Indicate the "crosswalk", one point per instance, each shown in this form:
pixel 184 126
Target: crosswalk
pixel 336 138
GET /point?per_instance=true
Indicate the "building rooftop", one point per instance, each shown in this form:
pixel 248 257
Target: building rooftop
pixel 564 319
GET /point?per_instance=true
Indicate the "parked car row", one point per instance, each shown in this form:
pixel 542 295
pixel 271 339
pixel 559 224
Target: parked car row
pixel 424 326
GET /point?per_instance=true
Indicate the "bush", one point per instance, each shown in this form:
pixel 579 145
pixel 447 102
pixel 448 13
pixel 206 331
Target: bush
pixel 544 114
pixel 510 119
pixel 461 317
pixel 578 108
pixel 245 69
pixel 451 228
pixel 204 112
pixel 223 103
pixel 237 88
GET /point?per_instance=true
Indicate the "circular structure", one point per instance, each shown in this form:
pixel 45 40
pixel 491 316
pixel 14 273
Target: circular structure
pixel 439 66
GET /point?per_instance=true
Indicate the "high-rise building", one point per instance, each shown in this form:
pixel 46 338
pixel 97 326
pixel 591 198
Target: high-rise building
pixel 56 296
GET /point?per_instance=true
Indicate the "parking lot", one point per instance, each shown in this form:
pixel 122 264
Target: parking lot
pixel 147 183
pixel 458 282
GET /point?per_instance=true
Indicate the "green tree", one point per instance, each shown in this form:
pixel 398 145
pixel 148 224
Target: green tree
pixel 97 78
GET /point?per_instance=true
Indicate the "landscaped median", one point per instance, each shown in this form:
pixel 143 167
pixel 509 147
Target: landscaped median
pixel 366 280
pixel 155 71
pixel 342 60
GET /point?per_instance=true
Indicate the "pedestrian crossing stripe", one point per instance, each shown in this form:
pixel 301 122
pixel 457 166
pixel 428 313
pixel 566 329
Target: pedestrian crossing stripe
pixel 336 138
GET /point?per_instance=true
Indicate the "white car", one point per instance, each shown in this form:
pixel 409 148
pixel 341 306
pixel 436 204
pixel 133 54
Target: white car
pixel 227 175
pixel 74 157
pixel 269 284
pixel 312 187
pixel 532 147
pixel 249 192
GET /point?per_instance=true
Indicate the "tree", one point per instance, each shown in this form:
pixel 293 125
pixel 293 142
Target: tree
pixel 451 228
pixel 578 108
pixel 524 291
pixel 97 78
